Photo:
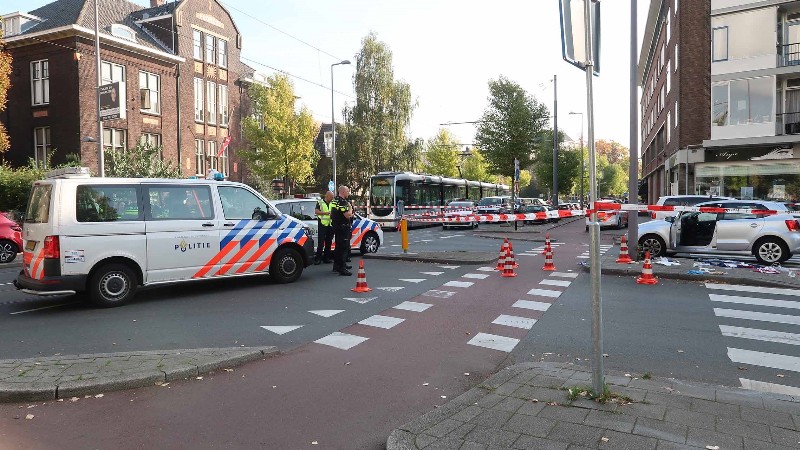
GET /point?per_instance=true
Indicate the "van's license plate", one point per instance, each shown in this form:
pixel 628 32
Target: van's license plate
pixel 30 245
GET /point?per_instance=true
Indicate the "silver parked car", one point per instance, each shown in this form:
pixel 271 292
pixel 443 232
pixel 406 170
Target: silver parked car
pixel 770 238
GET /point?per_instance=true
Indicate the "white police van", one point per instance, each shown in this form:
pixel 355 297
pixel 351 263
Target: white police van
pixel 108 236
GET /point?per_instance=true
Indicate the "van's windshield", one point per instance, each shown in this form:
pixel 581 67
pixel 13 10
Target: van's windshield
pixel 39 204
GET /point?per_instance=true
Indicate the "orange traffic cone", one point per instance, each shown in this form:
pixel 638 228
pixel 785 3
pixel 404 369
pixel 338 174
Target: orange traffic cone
pixel 546 243
pixel 624 257
pixel 511 251
pixel 501 260
pixel 548 260
pixel 647 272
pixel 361 282
pixel 508 267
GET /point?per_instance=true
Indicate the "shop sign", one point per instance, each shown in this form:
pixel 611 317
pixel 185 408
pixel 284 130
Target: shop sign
pixel 751 154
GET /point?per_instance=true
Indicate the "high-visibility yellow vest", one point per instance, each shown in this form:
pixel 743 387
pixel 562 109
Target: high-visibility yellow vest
pixel 325 207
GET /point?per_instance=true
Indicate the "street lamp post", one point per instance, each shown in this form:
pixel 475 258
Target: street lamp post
pixel 101 163
pixel 333 124
pixel 582 164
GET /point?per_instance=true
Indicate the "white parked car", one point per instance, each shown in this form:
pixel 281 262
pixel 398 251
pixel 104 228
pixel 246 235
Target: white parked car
pixel 615 219
pixel 681 200
pixel 459 209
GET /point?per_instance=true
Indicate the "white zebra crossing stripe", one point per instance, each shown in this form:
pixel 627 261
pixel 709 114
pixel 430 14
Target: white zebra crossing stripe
pixel 527 304
pixel 448 267
pixel 582 257
pixel 478 276
pixel 413 280
pixel 438 294
pixel 327 312
pixel 341 340
pixel 379 321
pixel 435 274
pixel 494 342
pixel 754 301
pixel 763 359
pixel 514 321
pixel 544 293
pixel 390 288
pixel 360 300
pixel 486 269
pixel 413 306
pixel 772 388
pixel 564 275
pixel 459 284
pixel 760 316
pixel 756 289
pixel 760 335
pixel 281 329
pixel 561 283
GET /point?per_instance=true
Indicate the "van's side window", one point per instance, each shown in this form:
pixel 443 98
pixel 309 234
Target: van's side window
pixel 179 203
pixel 239 203
pixel 107 203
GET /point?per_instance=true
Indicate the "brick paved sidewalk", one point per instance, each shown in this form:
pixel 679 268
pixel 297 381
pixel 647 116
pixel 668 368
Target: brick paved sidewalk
pixel 54 377
pixel 526 406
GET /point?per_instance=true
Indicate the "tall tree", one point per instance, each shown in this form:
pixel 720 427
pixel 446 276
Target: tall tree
pixel 612 150
pixel 613 181
pixel 474 167
pixel 376 124
pixel 5 82
pixel 282 139
pixel 569 164
pixel 442 155
pixel 510 126
pixel 412 155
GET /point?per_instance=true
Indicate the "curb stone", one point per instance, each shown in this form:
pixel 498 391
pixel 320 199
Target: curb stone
pixel 167 365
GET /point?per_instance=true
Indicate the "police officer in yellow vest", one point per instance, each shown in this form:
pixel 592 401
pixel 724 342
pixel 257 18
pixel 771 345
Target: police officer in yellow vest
pixel 325 238
pixel 341 214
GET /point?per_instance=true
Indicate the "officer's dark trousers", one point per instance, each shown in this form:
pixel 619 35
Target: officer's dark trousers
pixel 324 244
pixel 342 246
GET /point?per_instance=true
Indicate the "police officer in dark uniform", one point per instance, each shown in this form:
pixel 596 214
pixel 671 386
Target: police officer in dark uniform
pixel 341 213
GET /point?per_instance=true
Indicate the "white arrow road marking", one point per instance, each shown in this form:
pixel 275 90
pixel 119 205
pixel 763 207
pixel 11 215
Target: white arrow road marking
pixel 327 312
pixel 412 280
pixel 494 342
pixel 413 306
pixel 281 329
pixel 435 274
pixel 360 300
pixel 340 340
pixel 390 288
pixel 379 321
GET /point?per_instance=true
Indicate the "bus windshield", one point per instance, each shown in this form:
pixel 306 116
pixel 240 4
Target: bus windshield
pixel 381 192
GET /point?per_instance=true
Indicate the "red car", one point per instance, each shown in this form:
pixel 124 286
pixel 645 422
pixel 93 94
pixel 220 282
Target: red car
pixel 10 239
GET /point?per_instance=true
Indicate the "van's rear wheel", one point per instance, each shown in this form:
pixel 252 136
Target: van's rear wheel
pixel 286 265
pixel 8 251
pixel 370 243
pixel 112 285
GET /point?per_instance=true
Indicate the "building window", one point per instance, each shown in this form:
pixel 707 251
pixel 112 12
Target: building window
pixel 741 102
pixel 200 156
pixel 151 139
pixel 150 88
pixel 41 144
pixel 669 125
pixel 222 53
pixel 668 74
pixel 223 105
pixel 676 114
pixel 40 82
pixel 121 31
pixel 212 155
pixel 114 140
pixel 211 48
pixel 719 44
pixel 668 25
pixel 198 100
pixel 112 72
pixel 676 57
pixel 197 45
pixel 211 102
pixel 224 164
pixel 661 58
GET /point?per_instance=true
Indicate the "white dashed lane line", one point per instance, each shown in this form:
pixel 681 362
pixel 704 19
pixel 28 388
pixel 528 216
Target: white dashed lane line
pixel 486 269
pixel 435 274
pixel 514 321
pixel 360 300
pixel 379 321
pixel 544 293
pixel 438 294
pixel 412 280
pixel 413 306
pixel 561 283
pixel 494 342
pixel 564 275
pixel 341 340
pixel 459 284
pixel 535 306
pixel 477 276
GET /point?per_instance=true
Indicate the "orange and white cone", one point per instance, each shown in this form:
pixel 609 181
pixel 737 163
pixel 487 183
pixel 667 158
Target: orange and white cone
pixel 647 272
pixel 361 282
pixel 624 257
pixel 548 260
pixel 546 243
pixel 511 251
pixel 508 267
pixel 501 260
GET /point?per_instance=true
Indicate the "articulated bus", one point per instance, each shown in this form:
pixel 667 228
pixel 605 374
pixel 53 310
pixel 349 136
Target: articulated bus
pixel 422 193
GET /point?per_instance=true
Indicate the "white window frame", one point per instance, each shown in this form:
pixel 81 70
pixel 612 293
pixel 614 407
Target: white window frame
pixel 118 141
pixel 676 58
pixel 224 162
pixel 153 139
pixel 718 58
pixel 198 47
pixel 199 100
pixel 200 156
pixel 41 144
pixel 669 26
pixel 113 76
pixel 154 91
pixel 211 54
pixel 40 82
pixel 222 52
pixel 223 105
pixel 668 74
pixel 123 32
pixel 669 125
pixel 211 102
pixel 212 155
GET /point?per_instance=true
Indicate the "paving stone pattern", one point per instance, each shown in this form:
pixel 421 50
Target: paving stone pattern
pixel 55 377
pixel 526 406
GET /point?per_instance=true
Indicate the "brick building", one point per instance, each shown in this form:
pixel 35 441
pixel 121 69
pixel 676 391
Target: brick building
pixel 179 63
pixel 674 74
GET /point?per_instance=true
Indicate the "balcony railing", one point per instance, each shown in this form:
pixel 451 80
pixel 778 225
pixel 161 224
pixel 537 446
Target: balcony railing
pixel 789 54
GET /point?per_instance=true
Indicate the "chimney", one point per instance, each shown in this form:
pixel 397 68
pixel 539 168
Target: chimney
pixel 154 3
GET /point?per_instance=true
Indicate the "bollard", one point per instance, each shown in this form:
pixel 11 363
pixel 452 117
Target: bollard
pixel 404 234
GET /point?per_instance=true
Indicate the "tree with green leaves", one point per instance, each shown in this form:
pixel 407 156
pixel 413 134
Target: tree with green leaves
pixel 474 167
pixel 373 137
pixel 5 82
pixel 569 164
pixel 510 127
pixel 281 138
pixel 613 181
pixel 442 155
pixel 142 161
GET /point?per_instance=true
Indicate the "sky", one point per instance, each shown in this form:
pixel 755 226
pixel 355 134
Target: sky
pixel 446 50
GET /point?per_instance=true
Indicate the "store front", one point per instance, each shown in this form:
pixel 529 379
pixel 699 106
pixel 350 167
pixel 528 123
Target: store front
pixel 766 173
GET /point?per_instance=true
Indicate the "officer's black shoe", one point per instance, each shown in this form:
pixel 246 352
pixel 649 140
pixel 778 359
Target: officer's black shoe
pixel 345 273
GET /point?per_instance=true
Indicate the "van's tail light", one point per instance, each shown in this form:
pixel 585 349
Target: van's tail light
pixel 52 247
pixel 793 225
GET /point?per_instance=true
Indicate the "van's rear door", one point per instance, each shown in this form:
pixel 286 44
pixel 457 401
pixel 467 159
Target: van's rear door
pixel 39 218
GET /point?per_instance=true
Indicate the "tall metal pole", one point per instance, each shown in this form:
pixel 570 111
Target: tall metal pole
pixel 333 135
pixel 555 141
pixel 583 168
pixel 633 172
pixel 101 164
pixel 594 226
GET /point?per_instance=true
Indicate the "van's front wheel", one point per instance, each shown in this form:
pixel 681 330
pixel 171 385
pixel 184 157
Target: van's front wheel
pixel 112 285
pixel 286 265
